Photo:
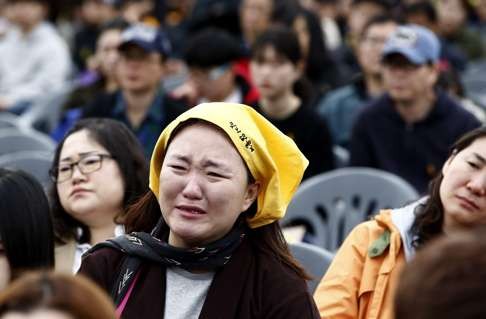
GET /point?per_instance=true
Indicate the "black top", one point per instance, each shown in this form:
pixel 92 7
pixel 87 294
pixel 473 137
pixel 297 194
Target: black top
pixel 252 285
pixel 311 134
pixel 416 152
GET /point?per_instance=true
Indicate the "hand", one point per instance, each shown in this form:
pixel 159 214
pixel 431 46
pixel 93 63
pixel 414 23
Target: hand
pixel 4 104
pixel 186 91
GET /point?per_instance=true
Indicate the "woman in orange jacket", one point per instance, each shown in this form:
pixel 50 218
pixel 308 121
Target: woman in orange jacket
pixel 360 282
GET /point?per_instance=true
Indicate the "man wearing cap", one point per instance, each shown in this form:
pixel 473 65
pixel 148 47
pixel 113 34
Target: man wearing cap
pixel 140 102
pixel 408 130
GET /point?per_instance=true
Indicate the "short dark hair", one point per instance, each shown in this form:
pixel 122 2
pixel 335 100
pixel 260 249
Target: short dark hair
pixel 43 2
pixel 282 39
pixel 422 7
pixel 26 230
pixel 446 279
pixel 122 144
pixel 115 24
pixel 384 4
pixel 212 47
pixel 378 20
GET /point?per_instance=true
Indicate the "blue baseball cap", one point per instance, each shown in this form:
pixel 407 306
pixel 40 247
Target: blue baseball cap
pixel 416 43
pixel 146 37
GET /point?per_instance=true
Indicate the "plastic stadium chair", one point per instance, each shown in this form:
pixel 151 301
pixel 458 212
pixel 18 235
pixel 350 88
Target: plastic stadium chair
pixel 8 120
pixel 332 203
pixel 12 141
pixel 315 261
pixel 341 156
pixel 45 113
pixel 474 82
pixel 36 163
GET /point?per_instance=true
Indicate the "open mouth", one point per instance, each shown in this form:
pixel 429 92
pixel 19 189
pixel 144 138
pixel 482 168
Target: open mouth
pixel 191 210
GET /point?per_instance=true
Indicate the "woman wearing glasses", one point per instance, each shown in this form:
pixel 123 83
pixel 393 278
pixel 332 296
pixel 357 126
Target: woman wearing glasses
pixel 98 169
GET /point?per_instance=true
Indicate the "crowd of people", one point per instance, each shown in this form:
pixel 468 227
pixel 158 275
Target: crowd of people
pixel 186 129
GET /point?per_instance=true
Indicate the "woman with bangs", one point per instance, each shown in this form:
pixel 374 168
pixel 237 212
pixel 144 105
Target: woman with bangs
pixel 286 98
pixel 99 168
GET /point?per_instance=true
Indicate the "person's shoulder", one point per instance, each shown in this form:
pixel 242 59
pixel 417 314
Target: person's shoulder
pixel 285 293
pixel 341 93
pixel 173 107
pixel 101 105
pixel 276 273
pixel 103 259
pixel 456 112
pixel 175 103
pixel 372 112
pixel 374 227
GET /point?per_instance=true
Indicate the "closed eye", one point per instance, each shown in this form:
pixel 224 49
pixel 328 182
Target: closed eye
pixel 90 161
pixel 214 174
pixel 177 167
pixel 473 165
pixel 64 168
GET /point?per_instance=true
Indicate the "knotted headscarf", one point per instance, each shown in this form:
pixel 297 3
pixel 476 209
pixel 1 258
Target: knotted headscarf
pixel 272 158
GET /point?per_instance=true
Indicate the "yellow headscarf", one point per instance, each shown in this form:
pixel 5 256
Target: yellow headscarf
pixel 272 158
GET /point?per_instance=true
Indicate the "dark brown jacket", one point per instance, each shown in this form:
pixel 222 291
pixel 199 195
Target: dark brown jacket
pixel 252 285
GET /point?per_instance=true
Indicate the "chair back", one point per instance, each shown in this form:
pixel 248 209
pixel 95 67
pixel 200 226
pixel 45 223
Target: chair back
pixel 45 113
pixel 315 261
pixel 474 82
pixel 331 204
pixel 341 156
pixel 8 120
pixel 36 163
pixel 12 141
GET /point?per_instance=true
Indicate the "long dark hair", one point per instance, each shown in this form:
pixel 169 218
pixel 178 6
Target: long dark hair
pixel 26 230
pixel 430 215
pixel 120 142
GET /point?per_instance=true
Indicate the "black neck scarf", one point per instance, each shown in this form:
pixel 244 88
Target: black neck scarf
pixel 150 247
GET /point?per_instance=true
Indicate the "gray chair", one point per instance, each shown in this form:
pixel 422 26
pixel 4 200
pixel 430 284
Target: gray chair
pixel 332 203
pixel 8 120
pixel 474 82
pixel 36 163
pixel 341 156
pixel 315 261
pixel 45 113
pixel 12 141
pixel 476 89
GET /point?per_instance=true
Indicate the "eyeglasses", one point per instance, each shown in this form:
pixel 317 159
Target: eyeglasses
pixel 86 164
pixel 212 74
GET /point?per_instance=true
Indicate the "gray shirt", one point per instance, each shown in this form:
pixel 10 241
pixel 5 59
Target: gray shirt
pixel 185 293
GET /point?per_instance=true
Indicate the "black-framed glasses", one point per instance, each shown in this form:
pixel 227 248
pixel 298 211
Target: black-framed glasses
pixel 86 164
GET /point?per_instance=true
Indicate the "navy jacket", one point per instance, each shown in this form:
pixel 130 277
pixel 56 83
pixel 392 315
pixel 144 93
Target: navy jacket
pixel 416 152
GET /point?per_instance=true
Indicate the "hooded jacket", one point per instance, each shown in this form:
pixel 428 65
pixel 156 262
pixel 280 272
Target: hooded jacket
pixel 362 278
